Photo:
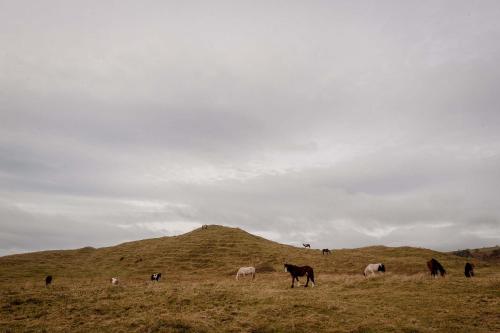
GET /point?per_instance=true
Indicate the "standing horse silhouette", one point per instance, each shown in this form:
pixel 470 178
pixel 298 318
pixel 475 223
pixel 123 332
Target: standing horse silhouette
pixel 325 251
pixel 306 245
pixel 48 280
pixel 469 270
pixel 435 267
pixel 296 271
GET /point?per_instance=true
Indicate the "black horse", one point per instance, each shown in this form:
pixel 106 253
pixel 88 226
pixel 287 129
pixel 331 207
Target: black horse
pixel 296 271
pixel 469 270
pixel 48 280
pixel 435 267
pixel 325 251
pixel 306 245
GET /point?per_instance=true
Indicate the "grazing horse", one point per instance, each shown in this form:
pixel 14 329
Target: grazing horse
pixel 372 268
pixel 296 271
pixel 306 245
pixel 48 280
pixel 469 270
pixel 244 271
pixel 435 267
pixel 204 227
pixel 114 281
pixel 156 277
pixel 325 251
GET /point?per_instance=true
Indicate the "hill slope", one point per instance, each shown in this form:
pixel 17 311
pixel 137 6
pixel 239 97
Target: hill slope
pixel 216 250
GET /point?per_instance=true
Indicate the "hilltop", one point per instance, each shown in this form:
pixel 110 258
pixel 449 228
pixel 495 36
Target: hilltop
pixel 199 292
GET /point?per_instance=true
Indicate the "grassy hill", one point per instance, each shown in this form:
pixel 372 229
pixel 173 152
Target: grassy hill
pixel 199 292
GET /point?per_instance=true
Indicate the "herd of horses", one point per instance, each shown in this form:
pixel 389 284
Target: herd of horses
pixel 433 265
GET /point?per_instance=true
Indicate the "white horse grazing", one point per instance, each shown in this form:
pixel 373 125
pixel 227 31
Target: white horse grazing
pixel 372 268
pixel 246 271
pixel 114 281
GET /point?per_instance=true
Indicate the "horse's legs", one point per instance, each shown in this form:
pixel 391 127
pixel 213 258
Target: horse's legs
pixel 307 281
pixel 293 279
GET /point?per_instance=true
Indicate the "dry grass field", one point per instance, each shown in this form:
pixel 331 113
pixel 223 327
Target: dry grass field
pixel 200 294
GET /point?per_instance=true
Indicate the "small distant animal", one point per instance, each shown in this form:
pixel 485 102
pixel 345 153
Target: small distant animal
pixel 325 251
pixel 204 226
pixel 306 245
pixel 296 271
pixel 372 268
pixel 156 277
pixel 435 267
pixel 114 281
pixel 48 280
pixel 469 270
pixel 244 271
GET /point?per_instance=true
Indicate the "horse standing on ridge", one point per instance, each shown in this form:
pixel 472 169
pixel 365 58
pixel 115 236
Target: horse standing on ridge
pixel 306 245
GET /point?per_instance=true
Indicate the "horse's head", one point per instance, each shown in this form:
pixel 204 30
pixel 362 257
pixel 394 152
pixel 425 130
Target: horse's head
pixel 286 267
pixel 381 268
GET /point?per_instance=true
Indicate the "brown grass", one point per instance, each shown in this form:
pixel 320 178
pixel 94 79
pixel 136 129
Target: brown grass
pixel 200 294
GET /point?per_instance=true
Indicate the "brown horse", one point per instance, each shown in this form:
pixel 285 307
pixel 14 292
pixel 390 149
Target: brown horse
pixel 435 267
pixel 296 271
pixel 325 251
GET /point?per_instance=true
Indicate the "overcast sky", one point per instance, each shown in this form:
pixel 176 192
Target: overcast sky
pixel 338 123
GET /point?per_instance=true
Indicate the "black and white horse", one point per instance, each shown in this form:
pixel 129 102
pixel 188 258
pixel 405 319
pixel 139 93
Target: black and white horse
pixel 48 280
pixel 306 245
pixel 435 267
pixel 156 277
pixel 325 251
pixel 205 226
pixel 296 271
pixel 469 270
pixel 372 268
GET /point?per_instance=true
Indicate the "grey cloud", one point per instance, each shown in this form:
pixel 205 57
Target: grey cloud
pixel 348 123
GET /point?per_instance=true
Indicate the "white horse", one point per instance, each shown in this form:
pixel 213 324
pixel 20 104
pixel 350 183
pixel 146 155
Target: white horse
pixel 114 281
pixel 246 271
pixel 372 268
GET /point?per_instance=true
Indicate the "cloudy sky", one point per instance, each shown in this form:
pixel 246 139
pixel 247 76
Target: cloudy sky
pixel 339 123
